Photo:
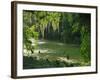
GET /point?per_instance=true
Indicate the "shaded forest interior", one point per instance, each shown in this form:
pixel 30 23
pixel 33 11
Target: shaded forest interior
pixel 56 39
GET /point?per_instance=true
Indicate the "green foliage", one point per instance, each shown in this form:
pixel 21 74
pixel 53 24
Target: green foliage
pixel 81 24
pixel 32 62
pixel 28 34
pixel 59 26
pixel 85 45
